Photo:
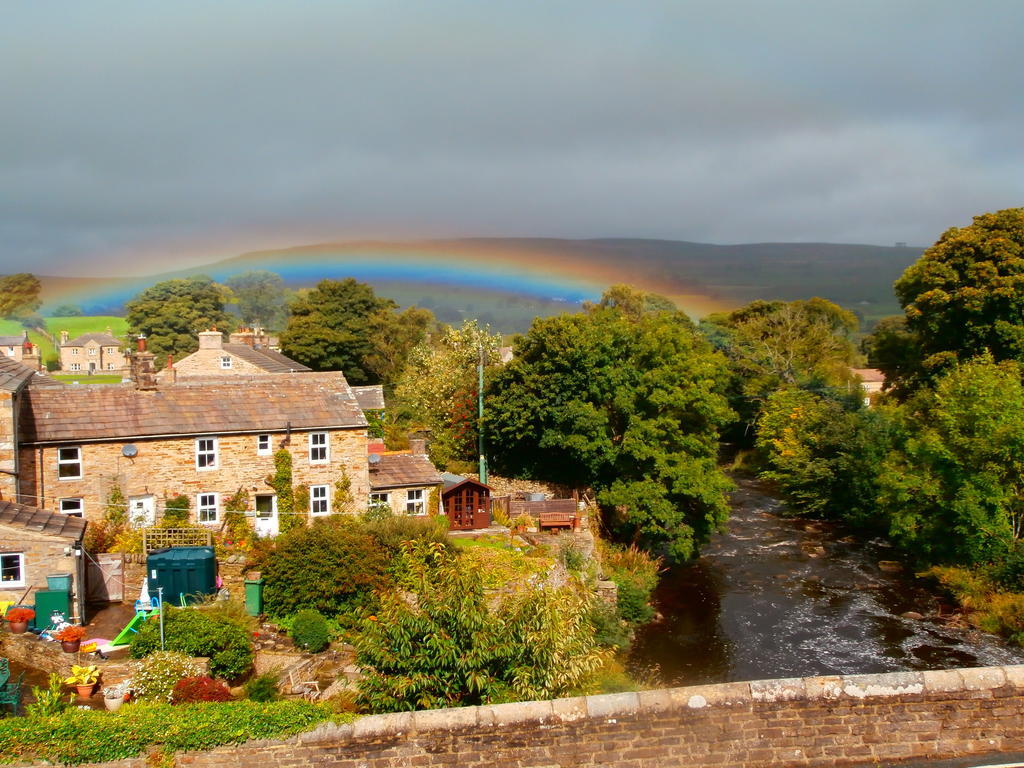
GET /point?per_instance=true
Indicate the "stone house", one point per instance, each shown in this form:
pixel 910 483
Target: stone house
pixel 22 350
pixel 404 480
pixel 204 438
pixel 15 380
pixel 92 353
pixel 872 381
pixel 36 543
pixel 216 358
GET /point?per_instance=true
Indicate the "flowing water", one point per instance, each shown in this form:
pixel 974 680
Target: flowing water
pixel 780 597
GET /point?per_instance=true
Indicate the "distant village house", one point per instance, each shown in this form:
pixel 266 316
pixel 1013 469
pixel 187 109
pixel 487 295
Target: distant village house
pixel 92 353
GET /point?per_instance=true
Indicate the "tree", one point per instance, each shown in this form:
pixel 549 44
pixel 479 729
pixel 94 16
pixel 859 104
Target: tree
pixel 261 298
pixel 68 310
pixel 452 646
pixel 395 335
pixel 332 327
pixel 173 312
pixel 955 490
pixel 628 405
pixel 19 295
pixel 965 294
pixel 895 350
pixel 437 391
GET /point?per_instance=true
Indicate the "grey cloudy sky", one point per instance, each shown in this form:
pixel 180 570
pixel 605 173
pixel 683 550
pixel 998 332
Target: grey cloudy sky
pixel 137 132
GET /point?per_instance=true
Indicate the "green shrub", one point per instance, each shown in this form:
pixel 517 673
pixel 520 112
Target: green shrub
pixel 50 700
pixel 310 631
pixel 609 629
pixel 82 736
pixel 176 510
pixel 572 557
pixel 632 602
pixel 155 676
pixel 635 573
pixel 190 690
pixel 262 688
pixel 196 633
pixel 330 566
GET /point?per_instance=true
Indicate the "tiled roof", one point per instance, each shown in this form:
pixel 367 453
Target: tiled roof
pixel 371 398
pixel 265 359
pixel 869 374
pixel 41 520
pixel 11 341
pixel 396 470
pixel 200 406
pixel 103 339
pixel 13 375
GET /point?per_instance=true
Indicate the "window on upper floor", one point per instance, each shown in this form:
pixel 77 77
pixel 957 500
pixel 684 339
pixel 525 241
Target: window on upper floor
pixel 318 453
pixel 225 362
pixel 206 453
pixel 92 351
pixel 12 570
pixel 318 500
pixel 110 350
pixel 69 463
pixel 206 507
pixel 73 507
pixel 263 446
pixel 74 350
pixel 414 502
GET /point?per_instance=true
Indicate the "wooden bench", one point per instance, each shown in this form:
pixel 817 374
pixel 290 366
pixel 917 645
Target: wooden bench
pixel 558 520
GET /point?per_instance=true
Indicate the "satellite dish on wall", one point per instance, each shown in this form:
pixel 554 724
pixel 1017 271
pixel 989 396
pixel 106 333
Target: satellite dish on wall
pixel 374 458
pixel 129 451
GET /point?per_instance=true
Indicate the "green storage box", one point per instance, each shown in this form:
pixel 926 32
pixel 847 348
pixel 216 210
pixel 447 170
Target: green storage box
pixel 48 601
pixel 59 582
pixel 254 596
pixel 184 573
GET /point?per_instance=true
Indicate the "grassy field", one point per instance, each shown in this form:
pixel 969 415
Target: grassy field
pixel 76 326
pixel 13 328
pixel 81 378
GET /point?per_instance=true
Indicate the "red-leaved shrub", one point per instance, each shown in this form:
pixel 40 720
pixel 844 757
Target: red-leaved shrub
pixel 192 689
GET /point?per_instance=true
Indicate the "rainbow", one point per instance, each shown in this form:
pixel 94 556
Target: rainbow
pixel 550 271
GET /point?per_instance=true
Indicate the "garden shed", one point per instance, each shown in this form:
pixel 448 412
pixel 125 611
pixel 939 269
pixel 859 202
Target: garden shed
pixel 467 502
pixel 37 543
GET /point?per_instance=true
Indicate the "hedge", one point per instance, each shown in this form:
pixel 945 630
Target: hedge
pixel 81 736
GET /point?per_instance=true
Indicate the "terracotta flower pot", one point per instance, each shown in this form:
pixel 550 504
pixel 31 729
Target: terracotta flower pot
pixel 18 627
pixel 84 691
pixel 70 646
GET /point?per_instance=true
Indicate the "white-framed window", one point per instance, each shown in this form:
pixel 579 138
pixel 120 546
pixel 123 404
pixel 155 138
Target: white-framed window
pixel 92 351
pixel 225 362
pixel 74 350
pixel 69 463
pixel 10 351
pixel 12 569
pixel 318 453
pixel 263 447
pixel 110 366
pixel 73 507
pixel 414 504
pixel 111 350
pixel 206 453
pixel 206 507
pixel 318 500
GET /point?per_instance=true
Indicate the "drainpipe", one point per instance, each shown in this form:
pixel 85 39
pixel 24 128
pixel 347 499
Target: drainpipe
pixel 480 415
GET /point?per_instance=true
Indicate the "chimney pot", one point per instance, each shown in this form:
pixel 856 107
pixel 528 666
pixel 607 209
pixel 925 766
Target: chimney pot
pixel 140 342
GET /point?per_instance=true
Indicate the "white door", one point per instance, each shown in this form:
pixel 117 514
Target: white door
pixel 266 515
pixel 142 511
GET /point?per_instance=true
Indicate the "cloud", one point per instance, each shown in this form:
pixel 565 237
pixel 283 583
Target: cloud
pixel 134 129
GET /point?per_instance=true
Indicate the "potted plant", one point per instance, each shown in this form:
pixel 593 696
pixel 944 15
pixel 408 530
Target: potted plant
pixel 83 679
pixel 18 619
pixel 70 638
pixel 115 695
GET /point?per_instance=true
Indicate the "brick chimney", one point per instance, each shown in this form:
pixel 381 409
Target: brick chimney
pixel 417 446
pixel 63 337
pixel 211 339
pixel 143 370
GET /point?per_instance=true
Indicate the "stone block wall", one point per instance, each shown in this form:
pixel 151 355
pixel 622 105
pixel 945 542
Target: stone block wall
pixel 30 651
pixel 855 720
pixel 167 467
pixel 44 555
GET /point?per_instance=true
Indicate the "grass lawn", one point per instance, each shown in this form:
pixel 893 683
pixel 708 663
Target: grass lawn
pixel 81 378
pixel 13 328
pixel 76 326
pixel 502 566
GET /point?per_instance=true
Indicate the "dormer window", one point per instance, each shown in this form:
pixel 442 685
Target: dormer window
pixel 225 362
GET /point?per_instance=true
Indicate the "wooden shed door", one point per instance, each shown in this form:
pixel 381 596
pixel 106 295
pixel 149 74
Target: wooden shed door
pixel 104 578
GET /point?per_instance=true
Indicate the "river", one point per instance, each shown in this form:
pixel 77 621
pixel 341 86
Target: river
pixel 783 597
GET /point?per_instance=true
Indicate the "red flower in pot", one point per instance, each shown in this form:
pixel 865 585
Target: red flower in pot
pixel 18 619
pixel 70 638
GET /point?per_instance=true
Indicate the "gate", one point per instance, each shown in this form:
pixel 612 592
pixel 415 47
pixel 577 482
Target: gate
pixel 104 578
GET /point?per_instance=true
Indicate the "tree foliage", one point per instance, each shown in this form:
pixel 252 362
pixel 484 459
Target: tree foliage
pixel 343 325
pixel 19 295
pixel 437 391
pixel 451 646
pixel 955 490
pixel 965 295
pixel 261 298
pixel 628 404
pixel 173 312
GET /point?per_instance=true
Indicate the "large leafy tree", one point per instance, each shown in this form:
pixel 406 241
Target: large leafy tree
pixel 955 490
pixel 437 391
pixel 343 325
pixel 19 295
pixel 452 645
pixel 260 296
pixel 965 294
pixel 173 312
pixel 627 403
